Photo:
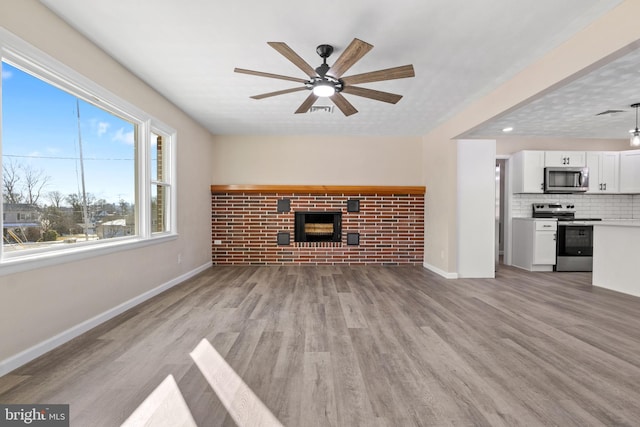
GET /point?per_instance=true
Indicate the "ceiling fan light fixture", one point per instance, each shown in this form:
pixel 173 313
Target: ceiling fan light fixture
pixel 324 88
pixel 635 134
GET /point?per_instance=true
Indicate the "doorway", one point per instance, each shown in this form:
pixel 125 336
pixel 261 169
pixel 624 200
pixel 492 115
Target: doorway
pixel 501 165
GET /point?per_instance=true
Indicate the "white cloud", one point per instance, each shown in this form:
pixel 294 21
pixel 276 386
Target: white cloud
pixel 102 128
pixel 122 136
pixel 6 74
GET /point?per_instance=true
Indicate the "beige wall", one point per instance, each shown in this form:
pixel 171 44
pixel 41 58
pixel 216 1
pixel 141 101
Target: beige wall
pixel 319 160
pixel 607 38
pixel 38 304
pixel 439 168
pixel 508 146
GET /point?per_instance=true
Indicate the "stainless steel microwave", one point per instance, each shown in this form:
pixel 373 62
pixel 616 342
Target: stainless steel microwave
pixel 566 180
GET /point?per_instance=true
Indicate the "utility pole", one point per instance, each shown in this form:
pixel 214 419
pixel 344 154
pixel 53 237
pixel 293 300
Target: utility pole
pixel 85 213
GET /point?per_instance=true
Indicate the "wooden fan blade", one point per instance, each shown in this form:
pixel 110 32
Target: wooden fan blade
pixel 344 105
pixel 391 98
pixel 311 99
pixel 376 76
pixel 279 92
pixel 356 50
pixel 273 76
pixel 288 53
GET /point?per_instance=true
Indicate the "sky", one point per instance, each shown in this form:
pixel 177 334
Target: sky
pixel 40 129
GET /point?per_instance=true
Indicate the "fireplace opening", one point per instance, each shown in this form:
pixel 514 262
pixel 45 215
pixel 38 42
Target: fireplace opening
pixel 318 226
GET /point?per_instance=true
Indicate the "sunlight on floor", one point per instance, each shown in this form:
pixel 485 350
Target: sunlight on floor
pixel 166 407
pixel 243 405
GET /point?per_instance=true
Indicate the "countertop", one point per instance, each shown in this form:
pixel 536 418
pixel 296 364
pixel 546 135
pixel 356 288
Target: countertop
pixel 617 222
pixel 605 222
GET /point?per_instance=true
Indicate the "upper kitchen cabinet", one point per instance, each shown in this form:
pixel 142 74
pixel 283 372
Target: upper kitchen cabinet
pixel 630 171
pixel 528 172
pixel 604 170
pixel 565 158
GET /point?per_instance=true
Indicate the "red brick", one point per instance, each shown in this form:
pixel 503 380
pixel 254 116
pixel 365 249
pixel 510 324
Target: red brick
pixel 391 230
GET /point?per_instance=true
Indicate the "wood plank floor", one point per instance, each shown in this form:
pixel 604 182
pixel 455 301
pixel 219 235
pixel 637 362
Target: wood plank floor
pixel 362 346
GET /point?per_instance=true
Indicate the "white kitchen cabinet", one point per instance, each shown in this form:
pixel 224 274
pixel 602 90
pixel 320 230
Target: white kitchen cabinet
pixel 565 158
pixel 630 171
pixel 534 243
pixel 604 171
pixel 527 170
pixel 544 242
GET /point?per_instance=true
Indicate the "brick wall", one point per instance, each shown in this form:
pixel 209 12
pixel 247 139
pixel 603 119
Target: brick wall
pixel 391 229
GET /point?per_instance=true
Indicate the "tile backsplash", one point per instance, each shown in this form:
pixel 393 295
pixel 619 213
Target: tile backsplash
pixel 606 206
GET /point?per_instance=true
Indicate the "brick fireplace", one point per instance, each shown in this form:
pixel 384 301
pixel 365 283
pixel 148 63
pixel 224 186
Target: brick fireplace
pixel 345 225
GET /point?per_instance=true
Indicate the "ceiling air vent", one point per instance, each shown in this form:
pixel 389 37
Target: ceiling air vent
pixel 321 109
pixel 610 112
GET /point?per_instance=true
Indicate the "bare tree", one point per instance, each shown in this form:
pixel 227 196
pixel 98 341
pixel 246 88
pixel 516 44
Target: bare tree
pixel 22 183
pixel 56 198
pixel 34 183
pixel 11 182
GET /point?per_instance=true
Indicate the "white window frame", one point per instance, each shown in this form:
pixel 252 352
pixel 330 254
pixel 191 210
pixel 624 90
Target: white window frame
pixel 19 53
pixel 169 176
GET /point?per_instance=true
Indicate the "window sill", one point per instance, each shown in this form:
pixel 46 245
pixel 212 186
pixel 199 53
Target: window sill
pixel 20 263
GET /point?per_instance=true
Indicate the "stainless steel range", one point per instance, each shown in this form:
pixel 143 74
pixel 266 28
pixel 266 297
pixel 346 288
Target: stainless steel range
pixel 574 243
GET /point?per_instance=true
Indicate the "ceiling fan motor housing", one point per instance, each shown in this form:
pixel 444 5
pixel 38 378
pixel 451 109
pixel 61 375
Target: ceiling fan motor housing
pixel 325 80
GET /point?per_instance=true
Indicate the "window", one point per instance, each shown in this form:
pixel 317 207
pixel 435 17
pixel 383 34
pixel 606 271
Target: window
pixel 80 167
pixel 160 184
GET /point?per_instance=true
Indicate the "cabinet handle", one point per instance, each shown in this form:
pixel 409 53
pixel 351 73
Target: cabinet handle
pixel 542 186
pixel 600 186
pixel 555 235
pixel 605 186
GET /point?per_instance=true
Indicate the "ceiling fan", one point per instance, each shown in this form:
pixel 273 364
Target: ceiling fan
pixel 327 81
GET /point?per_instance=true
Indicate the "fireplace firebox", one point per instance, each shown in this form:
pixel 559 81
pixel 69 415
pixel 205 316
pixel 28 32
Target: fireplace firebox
pixel 318 226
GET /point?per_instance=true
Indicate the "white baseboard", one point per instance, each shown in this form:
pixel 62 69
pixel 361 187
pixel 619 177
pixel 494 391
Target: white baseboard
pixel 442 273
pixel 49 344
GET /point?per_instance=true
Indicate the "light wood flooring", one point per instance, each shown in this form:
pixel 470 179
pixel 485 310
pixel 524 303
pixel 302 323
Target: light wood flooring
pixel 362 346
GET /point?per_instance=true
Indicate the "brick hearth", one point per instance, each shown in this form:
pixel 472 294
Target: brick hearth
pixel 390 225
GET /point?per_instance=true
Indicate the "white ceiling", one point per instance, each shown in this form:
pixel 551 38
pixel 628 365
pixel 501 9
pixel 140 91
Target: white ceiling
pixel 460 50
pixel 573 110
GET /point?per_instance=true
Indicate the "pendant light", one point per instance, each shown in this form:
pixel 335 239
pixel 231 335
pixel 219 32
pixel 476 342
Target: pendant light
pixel 635 134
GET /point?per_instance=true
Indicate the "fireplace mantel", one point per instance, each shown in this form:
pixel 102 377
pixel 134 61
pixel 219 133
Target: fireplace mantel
pixel 317 189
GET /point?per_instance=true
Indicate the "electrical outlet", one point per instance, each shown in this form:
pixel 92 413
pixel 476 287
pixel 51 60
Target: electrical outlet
pixel 179 258
pixel 217 242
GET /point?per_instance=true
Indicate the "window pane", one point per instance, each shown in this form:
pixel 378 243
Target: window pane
pixel 157 158
pixel 158 208
pixel 68 167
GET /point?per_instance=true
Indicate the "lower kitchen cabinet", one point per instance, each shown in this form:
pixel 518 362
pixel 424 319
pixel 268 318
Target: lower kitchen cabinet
pixel 534 243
